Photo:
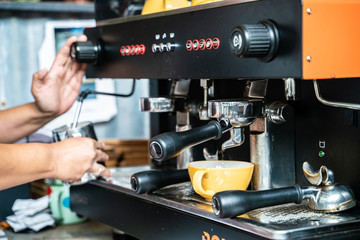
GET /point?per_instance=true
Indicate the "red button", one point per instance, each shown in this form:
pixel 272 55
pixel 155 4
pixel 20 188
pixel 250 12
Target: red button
pixel 132 49
pixel 142 49
pixel 122 50
pixel 216 43
pixel 209 43
pixel 202 44
pixel 196 44
pixel 189 45
pixel 128 50
pixel 137 49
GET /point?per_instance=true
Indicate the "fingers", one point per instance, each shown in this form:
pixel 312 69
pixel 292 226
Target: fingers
pixel 100 145
pixel 100 170
pixel 41 74
pixel 62 57
pixel 82 38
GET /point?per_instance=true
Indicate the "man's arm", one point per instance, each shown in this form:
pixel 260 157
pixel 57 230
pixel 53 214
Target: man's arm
pixel 22 163
pixel 54 92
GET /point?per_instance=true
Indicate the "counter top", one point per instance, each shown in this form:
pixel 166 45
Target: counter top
pixel 89 230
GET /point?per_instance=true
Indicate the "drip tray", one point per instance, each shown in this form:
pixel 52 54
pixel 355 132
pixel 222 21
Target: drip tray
pixel 178 210
pixel 278 222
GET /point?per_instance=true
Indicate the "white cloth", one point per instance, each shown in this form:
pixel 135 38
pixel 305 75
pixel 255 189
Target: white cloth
pixel 30 213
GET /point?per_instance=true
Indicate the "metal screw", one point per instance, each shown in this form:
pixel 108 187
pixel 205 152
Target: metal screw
pixel 308 58
pixel 308 11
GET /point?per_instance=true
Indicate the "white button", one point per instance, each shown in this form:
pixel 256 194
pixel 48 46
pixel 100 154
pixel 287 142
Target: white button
pixel 154 48
pixel 161 47
pixel 170 47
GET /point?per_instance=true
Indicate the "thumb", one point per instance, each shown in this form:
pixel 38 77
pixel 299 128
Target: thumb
pixel 40 75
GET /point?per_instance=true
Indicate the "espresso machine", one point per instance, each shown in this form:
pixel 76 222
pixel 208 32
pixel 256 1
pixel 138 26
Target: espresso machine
pixel 272 82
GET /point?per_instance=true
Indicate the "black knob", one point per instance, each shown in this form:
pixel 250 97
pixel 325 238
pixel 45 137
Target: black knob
pixel 255 40
pixel 85 52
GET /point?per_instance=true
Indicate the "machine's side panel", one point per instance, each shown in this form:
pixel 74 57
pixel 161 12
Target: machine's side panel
pixel 331 39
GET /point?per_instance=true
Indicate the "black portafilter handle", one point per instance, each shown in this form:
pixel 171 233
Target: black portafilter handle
pixel 149 181
pixel 170 144
pixel 233 203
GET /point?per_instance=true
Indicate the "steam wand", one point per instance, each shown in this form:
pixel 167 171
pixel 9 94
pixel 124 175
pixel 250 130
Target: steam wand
pixel 86 92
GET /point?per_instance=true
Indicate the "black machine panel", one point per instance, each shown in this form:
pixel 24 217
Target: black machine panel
pixel 199 43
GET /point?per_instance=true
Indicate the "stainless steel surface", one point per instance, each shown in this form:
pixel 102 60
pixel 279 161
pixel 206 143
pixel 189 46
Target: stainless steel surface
pixel 272 148
pixel 180 87
pixel 334 198
pixel 77 114
pixel 257 89
pixel 276 112
pixel 288 221
pixel 122 176
pixel 203 111
pixel 83 129
pixel 327 196
pixel 209 156
pixel 183 124
pixel 237 137
pixel 324 176
pixel 157 104
pixel 290 89
pixel 353 106
pixel 240 113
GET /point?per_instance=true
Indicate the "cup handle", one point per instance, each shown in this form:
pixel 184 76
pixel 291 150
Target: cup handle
pixel 198 176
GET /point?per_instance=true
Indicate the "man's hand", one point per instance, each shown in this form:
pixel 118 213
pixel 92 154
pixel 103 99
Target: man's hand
pixel 73 157
pixel 55 91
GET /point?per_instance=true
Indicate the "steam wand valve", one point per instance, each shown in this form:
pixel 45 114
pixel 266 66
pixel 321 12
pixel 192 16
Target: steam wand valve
pixel 170 144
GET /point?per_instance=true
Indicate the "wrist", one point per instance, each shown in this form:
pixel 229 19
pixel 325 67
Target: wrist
pixel 40 115
pixel 52 157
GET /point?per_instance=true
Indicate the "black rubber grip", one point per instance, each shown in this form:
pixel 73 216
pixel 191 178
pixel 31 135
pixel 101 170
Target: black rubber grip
pixel 235 203
pixel 171 144
pixel 149 181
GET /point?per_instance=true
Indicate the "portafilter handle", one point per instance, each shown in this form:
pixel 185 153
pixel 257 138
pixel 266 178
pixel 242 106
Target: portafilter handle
pixel 149 181
pixel 170 144
pixel 235 202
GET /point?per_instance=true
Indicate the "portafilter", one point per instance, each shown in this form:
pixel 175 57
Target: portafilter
pixel 326 195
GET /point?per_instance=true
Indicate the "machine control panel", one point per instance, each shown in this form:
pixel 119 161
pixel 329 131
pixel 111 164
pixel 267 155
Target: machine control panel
pixel 252 40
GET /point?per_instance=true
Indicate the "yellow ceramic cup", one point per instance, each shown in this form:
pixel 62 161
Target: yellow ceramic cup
pixel 154 6
pixel 210 177
pixel 199 2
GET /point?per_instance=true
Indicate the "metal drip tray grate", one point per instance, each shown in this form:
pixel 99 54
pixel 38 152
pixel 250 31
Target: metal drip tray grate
pixel 288 221
pixel 278 222
pixel 292 214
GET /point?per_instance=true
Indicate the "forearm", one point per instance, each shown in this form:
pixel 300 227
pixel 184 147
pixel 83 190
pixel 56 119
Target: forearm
pixel 18 122
pixel 22 163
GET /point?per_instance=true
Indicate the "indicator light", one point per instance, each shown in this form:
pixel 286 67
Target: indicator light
pixel 321 154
